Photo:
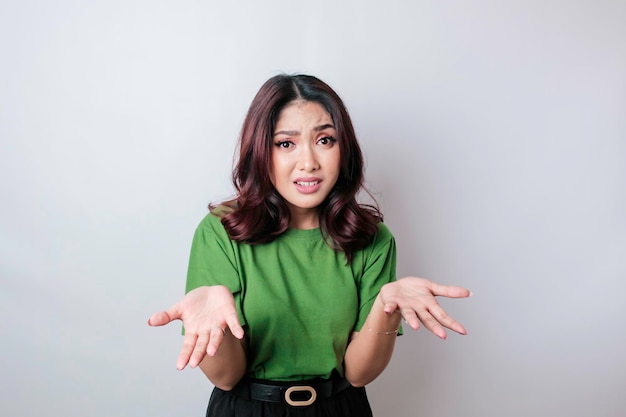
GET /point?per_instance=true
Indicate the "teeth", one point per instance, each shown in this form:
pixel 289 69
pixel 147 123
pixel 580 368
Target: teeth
pixel 307 183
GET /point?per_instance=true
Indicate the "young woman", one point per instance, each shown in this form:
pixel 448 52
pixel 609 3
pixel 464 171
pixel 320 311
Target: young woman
pixel 292 306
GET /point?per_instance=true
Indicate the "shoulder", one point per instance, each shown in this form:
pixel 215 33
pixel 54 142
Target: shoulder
pixel 214 218
pixel 210 235
pixel 211 225
pixel 211 221
pixel 383 244
pixel 383 236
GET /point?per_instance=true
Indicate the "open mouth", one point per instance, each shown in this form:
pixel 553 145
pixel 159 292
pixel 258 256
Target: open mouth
pixel 307 183
pixel 308 187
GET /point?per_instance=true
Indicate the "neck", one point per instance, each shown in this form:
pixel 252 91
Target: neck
pixel 304 220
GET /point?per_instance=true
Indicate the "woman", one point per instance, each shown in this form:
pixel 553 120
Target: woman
pixel 292 306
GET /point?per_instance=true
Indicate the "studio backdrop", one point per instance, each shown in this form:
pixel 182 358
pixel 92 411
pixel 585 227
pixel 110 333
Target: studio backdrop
pixel 495 141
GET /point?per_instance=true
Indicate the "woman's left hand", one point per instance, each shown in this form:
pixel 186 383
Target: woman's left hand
pixel 415 299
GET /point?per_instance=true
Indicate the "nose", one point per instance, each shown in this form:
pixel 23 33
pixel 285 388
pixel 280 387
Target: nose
pixel 308 159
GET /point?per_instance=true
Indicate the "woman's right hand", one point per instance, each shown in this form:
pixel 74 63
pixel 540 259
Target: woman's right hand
pixel 206 313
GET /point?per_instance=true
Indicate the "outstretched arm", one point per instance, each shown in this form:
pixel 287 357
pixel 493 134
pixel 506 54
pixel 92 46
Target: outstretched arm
pixel 213 336
pixel 411 298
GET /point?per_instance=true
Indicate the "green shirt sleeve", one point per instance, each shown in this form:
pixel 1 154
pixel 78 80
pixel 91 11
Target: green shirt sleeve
pixel 214 261
pixel 379 268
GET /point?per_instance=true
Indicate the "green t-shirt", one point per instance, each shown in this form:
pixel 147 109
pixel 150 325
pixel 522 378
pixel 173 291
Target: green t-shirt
pixel 296 297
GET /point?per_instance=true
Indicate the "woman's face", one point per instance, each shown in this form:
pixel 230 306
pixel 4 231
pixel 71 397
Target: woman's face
pixel 305 160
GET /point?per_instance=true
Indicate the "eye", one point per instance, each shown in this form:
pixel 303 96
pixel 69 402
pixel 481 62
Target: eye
pixel 284 144
pixel 326 140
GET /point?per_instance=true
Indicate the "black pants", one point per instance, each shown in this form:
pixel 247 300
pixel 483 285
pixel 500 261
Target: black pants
pixel 351 402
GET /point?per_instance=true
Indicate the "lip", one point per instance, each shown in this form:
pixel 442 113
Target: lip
pixel 307 185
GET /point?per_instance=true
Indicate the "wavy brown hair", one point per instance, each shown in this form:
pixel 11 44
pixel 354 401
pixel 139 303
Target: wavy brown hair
pixel 259 214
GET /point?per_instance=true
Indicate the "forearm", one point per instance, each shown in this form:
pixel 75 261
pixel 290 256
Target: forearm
pixel 370 350
pixel 228 365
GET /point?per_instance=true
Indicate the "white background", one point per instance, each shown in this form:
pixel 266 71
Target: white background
pixel 495 137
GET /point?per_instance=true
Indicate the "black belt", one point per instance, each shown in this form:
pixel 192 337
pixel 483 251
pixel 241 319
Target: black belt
pixel 295 393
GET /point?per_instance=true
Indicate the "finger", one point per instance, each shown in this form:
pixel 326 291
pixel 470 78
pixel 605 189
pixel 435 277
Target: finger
pixel 159 319
pixel 451 291
pixel 442 317
pixel 235 326
pixel 199 350
pixel 409 315
pixel 390 307
pixel 431 323
pixel 217 335
pixel 167 316
pixel 189 342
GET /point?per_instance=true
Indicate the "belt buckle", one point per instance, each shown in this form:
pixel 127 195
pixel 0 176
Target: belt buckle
pixel 300 388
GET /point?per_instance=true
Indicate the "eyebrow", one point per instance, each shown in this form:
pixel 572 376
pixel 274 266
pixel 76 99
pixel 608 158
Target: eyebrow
pixel 296 132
